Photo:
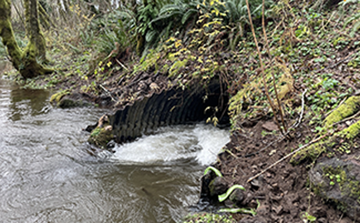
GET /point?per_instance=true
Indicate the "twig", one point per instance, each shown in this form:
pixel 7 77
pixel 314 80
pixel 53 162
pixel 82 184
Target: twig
pixel 329 20
pixel 285 157
pixel 302 109
pixel 262 66
pixel 347 119
pixel 232 154
pixel 108 92
pixel 272 73
pixel 122 65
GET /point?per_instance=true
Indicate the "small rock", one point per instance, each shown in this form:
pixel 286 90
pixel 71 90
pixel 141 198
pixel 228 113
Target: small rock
pixel 348 194
pixel 237 196
pixel 154 86
pixel 255 183
pixel 274 217
pixel 103 120
pixel 108 128
pixel 262 210
pixel 318 212
pixel 270 126
pixel 346 220
pixel 275 197
pixel 256 219
pixel 218 186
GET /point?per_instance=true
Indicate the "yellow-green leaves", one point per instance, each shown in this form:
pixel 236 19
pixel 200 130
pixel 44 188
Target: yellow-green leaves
pixel 175 68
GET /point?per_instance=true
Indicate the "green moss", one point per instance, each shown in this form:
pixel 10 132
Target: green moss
pixel 29 63
pixel 349 107
pixel 96 132
pixel 55 98
pixel 203 217
pixel 7 34
pixel 312 152
pixel 351 132
pixel 349 186
pixel 101 136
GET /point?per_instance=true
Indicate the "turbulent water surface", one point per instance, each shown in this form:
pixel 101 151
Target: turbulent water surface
pixel 46 175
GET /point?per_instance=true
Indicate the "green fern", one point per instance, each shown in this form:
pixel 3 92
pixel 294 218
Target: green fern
pixel 187 15
pixel 150 36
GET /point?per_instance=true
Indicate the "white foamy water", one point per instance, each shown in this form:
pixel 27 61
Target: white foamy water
pixel 200 142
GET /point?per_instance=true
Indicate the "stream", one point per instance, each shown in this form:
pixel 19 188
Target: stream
pixel 47 174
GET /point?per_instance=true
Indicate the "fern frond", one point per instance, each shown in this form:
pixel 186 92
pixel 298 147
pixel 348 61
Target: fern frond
pixel 187 15
pixel 150 36
pixel 233 13
pixel 170 8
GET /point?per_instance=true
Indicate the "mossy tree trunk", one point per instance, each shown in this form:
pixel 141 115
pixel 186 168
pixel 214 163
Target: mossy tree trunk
pixel 33 28
pixel 26 62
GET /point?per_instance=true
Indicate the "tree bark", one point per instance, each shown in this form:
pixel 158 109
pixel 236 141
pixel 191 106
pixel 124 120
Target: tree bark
pixel 33 29
pixel 7 34
pixel 24 61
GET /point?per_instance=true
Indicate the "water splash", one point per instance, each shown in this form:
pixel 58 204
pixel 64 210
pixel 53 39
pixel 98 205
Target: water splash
pixel 199 142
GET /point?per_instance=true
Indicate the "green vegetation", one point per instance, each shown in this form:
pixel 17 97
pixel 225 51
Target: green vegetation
pixel 223 197
pixel 216 171
pixel 307 218
pixel 348 108
pixel 238 210
pixel 208 217
pixel 55 98
pixel 29 61
pixel 100 136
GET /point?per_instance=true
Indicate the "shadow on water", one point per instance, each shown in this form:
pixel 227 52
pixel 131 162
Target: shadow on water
pixel 46 175
pixel 28 102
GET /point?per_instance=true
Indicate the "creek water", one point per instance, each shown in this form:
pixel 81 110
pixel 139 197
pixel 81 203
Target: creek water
pixel 47 175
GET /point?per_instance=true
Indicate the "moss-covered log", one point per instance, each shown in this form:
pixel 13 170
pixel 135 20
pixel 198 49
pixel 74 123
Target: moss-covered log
pixel 314 151
pixel 349 107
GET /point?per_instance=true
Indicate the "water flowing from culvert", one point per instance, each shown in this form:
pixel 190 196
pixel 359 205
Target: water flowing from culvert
pixel 47 175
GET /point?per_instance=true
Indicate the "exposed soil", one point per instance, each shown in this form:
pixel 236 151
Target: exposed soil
pixel 283 191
